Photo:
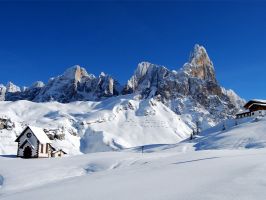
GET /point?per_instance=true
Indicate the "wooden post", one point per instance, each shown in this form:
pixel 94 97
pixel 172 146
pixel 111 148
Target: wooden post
pixel 198 127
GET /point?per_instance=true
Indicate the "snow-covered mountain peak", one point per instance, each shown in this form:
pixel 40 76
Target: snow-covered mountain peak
pixel 145 77
pixel 38 84
pixel 75 72
pixel 102 74
pixel 11 87
pixel 143 68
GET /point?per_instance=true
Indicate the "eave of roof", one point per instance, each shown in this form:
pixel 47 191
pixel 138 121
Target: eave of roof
pixel 249 103
pixel 39 134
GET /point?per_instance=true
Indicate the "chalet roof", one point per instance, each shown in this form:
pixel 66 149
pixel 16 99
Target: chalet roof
pixel 258 104
pixel 257 101
pixel 56 149
pixel 59 151
pixel 39 133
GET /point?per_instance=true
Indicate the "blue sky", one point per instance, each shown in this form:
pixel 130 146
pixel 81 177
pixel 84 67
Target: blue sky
pixel 41 39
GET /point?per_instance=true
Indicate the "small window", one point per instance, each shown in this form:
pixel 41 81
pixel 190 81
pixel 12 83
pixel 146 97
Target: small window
pixel 47 148
pixel 253 113
pixel 28 134
pixel 41 148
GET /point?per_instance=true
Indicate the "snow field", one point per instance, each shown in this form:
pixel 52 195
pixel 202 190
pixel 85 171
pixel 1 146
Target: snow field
pixel 212 174
pixel 115 123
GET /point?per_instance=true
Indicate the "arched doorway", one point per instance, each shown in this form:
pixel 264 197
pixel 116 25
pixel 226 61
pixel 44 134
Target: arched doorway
pixel 27 152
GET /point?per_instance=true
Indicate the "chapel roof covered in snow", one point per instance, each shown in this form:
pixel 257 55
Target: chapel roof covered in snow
pixel 39 133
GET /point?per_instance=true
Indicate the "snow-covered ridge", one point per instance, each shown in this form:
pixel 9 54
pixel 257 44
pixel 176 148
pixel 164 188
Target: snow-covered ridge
pixel 85 127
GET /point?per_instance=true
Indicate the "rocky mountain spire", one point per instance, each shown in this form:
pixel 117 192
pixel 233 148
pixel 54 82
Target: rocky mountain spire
pixel 200 65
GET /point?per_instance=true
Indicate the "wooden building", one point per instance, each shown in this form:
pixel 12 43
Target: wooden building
pixel 253 108
pixel 255 105
pixel 33 143
pixel 58 153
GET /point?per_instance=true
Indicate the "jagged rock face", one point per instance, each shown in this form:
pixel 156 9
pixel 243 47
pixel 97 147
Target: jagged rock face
pixel 200 65
pixel 147 77
pixel 194 88
pixel 107 86
pixel 2 92
pixel 197 76
pixel 76 84
pixel 26 93
pixel 152 80
pixel 7 92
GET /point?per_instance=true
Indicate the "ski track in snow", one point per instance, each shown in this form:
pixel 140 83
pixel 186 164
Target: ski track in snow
pixel 1 181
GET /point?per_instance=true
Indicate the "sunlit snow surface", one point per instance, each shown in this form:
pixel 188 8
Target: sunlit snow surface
pixel 168 174
pixel 233 167
pixel 119 122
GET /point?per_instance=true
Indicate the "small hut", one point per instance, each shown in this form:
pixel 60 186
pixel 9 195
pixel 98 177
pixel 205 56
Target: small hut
pixel 58 153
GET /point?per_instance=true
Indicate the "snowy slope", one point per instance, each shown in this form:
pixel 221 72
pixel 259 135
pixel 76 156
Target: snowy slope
pixel 239 134
pixel 115 123
pixel 219 175
pixel 219 164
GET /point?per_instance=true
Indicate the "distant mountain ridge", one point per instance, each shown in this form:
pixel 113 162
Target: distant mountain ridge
pixel 75 84
pixel 193 88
